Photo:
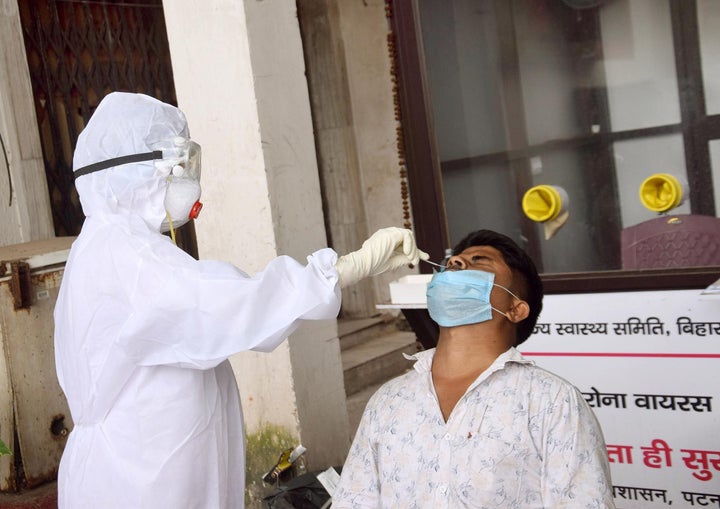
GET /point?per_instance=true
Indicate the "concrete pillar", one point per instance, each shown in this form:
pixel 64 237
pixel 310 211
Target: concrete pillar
pixel 336 141
pixel 352 94
pixel 241 82
pixel 27 216
pixel 364 29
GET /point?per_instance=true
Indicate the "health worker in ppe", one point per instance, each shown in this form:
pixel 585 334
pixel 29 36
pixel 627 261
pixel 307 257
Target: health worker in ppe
pixel 143 331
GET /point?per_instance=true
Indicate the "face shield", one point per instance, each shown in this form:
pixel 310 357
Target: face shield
pixel 180 158
pixel 177 160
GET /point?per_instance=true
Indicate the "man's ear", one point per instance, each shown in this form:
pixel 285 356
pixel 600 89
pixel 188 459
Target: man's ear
pixel 519 311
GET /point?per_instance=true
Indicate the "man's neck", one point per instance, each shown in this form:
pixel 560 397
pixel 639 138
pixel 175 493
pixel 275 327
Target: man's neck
pixel 470 348
pixel 462 354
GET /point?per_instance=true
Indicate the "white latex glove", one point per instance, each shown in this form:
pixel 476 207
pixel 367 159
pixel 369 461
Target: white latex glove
pixel 386 249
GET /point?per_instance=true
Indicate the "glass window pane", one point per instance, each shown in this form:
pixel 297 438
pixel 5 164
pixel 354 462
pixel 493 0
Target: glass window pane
pixel 635 161
pixel 470 206
pixel 715 162
pixel 548 77
pixel 461 49
pixel 708 23
pixel 639 62
pixel 577 246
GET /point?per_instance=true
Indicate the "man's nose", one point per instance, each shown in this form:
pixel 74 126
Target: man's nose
pixel 456 263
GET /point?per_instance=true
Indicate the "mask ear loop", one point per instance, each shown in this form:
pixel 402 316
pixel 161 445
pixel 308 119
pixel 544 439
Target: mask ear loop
pixel 511 293
pixel 500 312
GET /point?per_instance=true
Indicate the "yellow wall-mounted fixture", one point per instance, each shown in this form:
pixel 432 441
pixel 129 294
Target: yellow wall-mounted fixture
pixel 662 192
pixel 548 205
pixel 544 203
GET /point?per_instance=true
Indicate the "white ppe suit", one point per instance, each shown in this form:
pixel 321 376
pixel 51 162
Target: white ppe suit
pixel 143 331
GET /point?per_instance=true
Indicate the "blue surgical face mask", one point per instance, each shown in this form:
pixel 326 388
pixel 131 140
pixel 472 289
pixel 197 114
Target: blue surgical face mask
pixel 461 297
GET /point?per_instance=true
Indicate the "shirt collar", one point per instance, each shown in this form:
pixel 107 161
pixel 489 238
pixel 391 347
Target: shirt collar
pixel 423 360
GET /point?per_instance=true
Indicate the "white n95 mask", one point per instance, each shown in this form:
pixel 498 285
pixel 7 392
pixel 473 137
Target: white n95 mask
pixel 181 202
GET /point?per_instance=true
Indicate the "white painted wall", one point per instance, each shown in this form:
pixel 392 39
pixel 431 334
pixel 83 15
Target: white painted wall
pixel 240 80
pixel 28 218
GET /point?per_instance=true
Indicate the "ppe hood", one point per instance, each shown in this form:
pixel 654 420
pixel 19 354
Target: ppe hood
pixel 125 124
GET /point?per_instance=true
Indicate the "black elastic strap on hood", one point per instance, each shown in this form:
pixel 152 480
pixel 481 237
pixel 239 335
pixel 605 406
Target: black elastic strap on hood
pixel 117 161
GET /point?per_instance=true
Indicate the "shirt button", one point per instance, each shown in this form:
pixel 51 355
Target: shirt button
pixel 448 436
pixel 442 489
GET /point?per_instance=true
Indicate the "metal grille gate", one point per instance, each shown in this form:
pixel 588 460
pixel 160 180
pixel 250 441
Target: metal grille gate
pixel 78 51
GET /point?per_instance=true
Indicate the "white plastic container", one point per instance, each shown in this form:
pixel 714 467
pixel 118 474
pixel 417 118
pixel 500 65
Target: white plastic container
pixel 410 289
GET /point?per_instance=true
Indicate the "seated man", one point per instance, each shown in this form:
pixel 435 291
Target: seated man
pixel 475 424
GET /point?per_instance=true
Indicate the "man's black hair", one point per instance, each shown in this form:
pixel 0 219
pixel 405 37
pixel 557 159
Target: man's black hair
pixel 520 263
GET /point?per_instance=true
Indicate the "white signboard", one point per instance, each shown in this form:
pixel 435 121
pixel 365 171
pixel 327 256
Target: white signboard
pixel 649 365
